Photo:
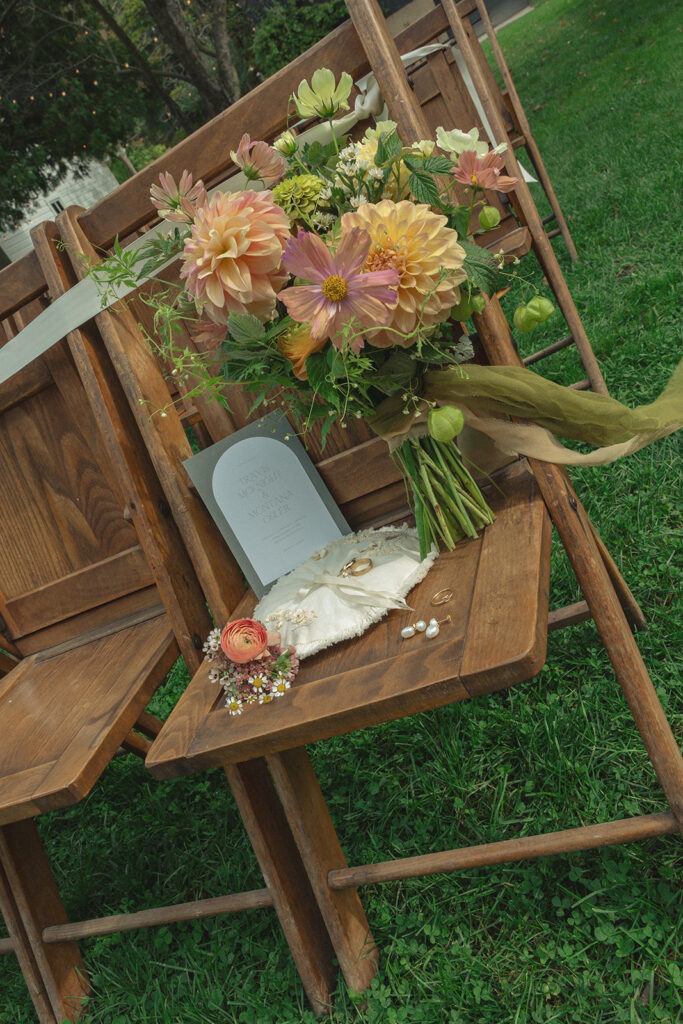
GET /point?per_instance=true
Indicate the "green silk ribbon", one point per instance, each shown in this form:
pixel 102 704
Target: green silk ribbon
pixel 490 395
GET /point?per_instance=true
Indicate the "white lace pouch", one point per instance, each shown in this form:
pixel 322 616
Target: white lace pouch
pixel 315 606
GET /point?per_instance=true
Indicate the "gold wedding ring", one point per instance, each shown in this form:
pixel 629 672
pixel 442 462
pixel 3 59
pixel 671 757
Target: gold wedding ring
pixel 442 596
pixel 356 567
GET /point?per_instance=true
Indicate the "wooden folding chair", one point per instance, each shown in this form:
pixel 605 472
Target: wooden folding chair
pixel 98 598
pixel 499 623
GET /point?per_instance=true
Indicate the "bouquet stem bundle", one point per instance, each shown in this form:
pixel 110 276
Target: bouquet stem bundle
pixel 447 501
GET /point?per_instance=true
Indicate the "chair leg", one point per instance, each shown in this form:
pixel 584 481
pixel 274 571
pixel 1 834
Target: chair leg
pixel 524 204
pixel 22 948
pixel 310 822
pixel 54 973
pixel 286 879
pixel 579 541
pixel 531 147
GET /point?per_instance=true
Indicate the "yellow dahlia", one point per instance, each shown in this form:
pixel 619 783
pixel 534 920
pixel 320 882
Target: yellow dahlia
pixel 297 345
pixel 416 242
pixel 232 257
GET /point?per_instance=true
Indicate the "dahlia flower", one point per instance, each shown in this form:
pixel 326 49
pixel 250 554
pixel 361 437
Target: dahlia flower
pixel 178 202
pixel 232 256
pixel 416 242
pixel 258 160
pixel 341 292
pixel 483 172
pixel 297 345
pixel 322 98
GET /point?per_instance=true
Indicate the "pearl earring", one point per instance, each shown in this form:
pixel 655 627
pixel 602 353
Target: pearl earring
pixel 430 629
pixel 417 627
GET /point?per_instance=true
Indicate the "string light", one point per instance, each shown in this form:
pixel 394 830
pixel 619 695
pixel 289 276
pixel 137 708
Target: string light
pixel 96 82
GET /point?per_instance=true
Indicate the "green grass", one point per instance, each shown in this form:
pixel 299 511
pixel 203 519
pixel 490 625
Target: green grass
pixel 594 938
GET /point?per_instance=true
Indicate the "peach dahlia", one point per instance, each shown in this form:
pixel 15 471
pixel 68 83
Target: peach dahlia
pixel 416 242
pixel 233 255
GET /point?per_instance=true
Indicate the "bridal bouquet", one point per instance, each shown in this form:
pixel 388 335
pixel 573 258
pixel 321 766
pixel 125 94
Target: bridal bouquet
pixel 334 281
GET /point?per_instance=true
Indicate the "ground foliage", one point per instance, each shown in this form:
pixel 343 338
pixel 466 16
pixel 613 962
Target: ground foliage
pixel 594 938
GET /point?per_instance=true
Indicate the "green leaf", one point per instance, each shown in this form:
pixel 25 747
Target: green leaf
pixel 316 154
pixel 480 266
pixel 423 187
pixel 327 426
pixel 335 361
pixel 438 164
pixel 245 329
pixel 388 146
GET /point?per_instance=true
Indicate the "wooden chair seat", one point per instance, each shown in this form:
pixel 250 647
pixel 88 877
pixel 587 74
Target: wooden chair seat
pixel 66 710
pixel 497 637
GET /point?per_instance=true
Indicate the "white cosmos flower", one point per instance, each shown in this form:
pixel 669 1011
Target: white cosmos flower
pixel 458 142
pixel 323 97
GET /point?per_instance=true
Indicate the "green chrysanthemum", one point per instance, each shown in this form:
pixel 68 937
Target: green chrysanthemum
pixel 299 196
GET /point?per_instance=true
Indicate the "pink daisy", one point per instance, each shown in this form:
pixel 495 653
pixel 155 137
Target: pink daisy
pixel 483 172
pixel 341 291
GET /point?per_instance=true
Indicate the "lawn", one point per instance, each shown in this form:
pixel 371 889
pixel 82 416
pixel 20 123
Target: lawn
pixel 592 938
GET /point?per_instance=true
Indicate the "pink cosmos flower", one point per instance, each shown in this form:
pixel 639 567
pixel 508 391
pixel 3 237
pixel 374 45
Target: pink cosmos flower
pixel 259 161
pixel 341 291
pixel 483 172
pixel 178 202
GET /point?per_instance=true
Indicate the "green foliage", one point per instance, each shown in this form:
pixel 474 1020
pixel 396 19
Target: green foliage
pixel 65 95
pixel 289 27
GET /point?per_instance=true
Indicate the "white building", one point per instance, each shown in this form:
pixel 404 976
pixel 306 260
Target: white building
pixel 71 191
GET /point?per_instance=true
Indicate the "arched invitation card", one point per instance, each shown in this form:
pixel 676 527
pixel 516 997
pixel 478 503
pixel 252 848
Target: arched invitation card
pixel 267 499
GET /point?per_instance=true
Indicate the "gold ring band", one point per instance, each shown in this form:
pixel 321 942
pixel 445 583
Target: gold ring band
pixel 356 567
pixel 442 596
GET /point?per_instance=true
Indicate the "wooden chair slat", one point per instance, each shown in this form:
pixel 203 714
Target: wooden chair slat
pixel 513 563
pixel 114 577
pixel 70 631
pixel 21 282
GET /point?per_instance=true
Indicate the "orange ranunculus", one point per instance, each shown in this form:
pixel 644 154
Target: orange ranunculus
pixel 297 345
pixel 244 640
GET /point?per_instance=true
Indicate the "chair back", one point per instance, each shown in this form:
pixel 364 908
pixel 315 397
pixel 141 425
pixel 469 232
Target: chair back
pixel 67 548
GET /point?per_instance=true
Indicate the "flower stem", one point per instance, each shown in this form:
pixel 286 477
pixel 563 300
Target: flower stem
pixel 448 503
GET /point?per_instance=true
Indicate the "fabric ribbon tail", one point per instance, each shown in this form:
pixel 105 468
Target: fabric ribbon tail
pixel 351 592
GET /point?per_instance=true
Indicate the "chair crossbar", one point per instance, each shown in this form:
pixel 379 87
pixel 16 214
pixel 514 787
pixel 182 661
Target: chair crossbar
pixel 195 910
pixel 588 837
pixel 543 353
pixel 569 615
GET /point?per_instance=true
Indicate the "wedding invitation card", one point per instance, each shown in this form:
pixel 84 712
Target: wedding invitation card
pixel 267 498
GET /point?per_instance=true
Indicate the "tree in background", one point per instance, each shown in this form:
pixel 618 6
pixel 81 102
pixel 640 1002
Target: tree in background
pixel 289 27
pixel 80 77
